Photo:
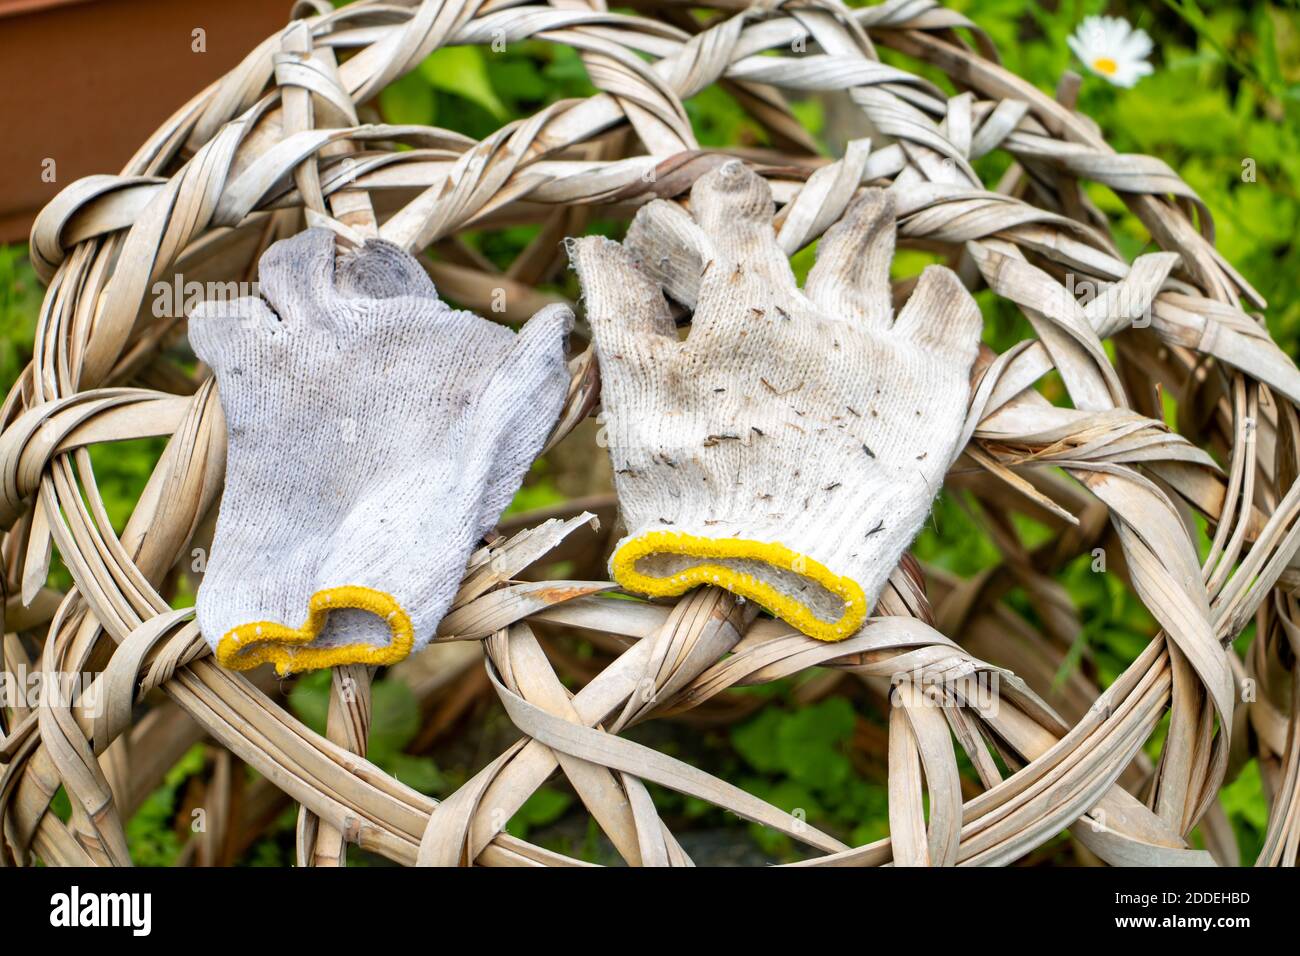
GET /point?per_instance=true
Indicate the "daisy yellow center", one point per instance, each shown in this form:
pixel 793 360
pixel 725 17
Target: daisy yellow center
pixel 1104 64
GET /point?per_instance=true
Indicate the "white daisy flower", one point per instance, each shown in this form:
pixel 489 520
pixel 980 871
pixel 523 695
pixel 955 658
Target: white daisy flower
pixel 1111 48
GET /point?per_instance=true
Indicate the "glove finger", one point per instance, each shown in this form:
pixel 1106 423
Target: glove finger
pixel 734 207
pixel 851 276
pixel 381 270
pixel 941 316
pixel 671 248
pixel 537 354
pixel 222 331
pixel 626 310
pixel 527 394
pixel 296 277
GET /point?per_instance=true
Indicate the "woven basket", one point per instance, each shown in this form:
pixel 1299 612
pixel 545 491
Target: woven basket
pixel 238 166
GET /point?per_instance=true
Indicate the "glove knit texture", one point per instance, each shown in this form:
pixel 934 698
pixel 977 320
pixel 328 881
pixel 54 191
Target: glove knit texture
pixel 375 435
pixel 789 449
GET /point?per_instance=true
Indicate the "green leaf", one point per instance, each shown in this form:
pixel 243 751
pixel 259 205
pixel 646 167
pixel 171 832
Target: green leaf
pixel 794 798
pixel 461 70
pixel 310 699
pixel 806 745
pixel 151 835
pixel 408 102
pixel 809 743
pixel 567 72
pixel 755 741
pixel 828 722
pixel 538 492
pixel 545 806
pixel 519 79
pixel 20 303
pixel 1243 799
pixel 395 720
pixel 418 773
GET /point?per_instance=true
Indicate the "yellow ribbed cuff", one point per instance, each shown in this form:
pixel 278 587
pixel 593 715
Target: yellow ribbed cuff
pixel 266 642
pixel 784 606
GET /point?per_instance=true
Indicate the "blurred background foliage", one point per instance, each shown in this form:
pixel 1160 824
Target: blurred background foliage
pixel 1223 99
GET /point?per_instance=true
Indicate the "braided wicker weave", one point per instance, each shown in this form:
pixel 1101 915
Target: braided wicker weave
pixel 237 167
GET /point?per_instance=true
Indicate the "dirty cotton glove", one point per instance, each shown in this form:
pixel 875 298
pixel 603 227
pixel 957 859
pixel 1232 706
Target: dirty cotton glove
pixel 375 435
pixel 790 448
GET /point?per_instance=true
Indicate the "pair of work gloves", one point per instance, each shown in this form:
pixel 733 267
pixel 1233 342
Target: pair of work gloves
pixel 788 449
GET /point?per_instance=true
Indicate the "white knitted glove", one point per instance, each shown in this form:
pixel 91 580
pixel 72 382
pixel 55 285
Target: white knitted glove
pixel 790 448
pixel 374 436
